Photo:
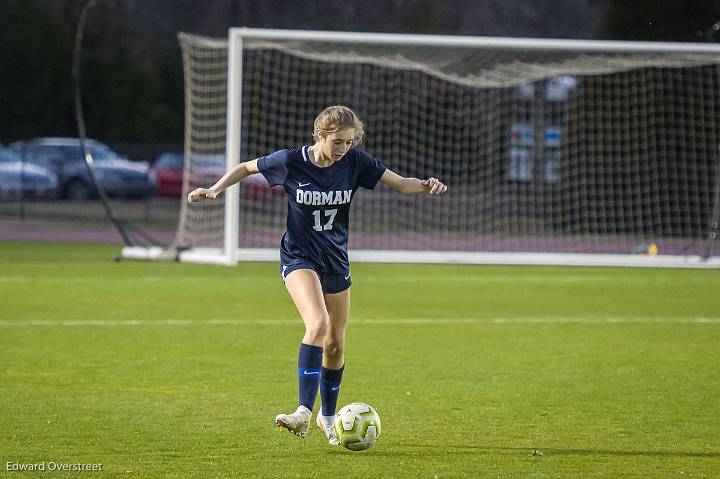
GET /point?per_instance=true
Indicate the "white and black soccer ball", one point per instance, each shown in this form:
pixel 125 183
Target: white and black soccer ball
pixel 357 426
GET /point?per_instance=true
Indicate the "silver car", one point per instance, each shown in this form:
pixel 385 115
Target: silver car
pixel 119 176
pixel 19 179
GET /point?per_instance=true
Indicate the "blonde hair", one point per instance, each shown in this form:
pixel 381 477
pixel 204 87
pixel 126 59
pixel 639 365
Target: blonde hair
pixel 337 118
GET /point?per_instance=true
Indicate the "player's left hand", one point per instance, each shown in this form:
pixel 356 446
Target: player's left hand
pixel 433 186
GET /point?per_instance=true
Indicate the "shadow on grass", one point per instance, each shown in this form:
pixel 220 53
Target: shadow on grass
pixel 427 449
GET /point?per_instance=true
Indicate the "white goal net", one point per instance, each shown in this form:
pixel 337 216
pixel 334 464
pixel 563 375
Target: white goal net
pixel 569 152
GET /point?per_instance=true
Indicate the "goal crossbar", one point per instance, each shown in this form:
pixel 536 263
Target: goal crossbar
pixel 461 41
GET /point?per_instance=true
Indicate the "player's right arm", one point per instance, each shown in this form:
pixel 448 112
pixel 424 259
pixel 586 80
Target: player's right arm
pixel 235 175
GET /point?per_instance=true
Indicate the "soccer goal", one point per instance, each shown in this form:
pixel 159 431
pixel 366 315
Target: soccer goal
pixel 555 151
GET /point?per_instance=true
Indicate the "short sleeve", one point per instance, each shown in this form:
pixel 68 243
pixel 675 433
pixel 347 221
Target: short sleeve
pixel 370 169
pixel 274 167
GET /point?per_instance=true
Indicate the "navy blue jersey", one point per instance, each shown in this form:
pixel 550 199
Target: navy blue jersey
pixel 319 202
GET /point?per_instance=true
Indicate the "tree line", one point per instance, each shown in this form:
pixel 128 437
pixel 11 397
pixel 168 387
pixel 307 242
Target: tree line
pixel 131 65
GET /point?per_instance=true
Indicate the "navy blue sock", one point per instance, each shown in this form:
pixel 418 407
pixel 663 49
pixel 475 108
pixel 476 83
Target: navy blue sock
pixel 330 389
pixel 309 365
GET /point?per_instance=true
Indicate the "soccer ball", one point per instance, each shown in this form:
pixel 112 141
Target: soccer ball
pixel 357 426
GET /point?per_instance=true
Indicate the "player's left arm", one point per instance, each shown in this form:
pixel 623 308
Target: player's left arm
pixel 430 186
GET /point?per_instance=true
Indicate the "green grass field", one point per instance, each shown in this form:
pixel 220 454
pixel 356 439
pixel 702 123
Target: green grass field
pixel 174 370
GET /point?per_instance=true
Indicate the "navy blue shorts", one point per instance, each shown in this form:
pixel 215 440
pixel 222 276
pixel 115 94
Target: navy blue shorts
pixel 330 281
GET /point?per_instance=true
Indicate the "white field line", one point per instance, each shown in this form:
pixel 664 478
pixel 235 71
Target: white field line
pixel 490 279
pixel 141 279
pixel 408 321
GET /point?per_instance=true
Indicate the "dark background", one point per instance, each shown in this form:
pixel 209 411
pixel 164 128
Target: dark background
pixel 132 70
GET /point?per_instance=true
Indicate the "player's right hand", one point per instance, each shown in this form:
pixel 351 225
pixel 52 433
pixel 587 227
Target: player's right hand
pixel 200 194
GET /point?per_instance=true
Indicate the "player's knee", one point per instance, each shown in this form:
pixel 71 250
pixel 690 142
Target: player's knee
pixel 317 328
pixel 333 347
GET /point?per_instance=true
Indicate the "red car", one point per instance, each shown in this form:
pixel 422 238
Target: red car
pixel 168 174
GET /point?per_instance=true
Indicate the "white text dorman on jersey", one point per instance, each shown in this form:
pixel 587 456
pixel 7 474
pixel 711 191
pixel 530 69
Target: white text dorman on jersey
pixel 320 198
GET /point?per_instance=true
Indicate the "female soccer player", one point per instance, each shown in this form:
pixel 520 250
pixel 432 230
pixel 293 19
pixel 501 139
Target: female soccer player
pixel 320 182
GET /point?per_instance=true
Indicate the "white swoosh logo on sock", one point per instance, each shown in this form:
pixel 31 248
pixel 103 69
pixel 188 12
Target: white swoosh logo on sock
pixel 335 389
pixel 310 372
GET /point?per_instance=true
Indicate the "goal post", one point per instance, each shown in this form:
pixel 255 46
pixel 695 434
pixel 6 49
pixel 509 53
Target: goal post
pixel 555 151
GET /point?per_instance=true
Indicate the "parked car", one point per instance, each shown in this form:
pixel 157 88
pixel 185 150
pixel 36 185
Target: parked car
pixel 208 168
pixel 168 174
pixel 119 176
pixel 24 180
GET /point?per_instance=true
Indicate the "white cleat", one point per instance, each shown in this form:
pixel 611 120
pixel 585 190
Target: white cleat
pixel 297 423
pixel 325 423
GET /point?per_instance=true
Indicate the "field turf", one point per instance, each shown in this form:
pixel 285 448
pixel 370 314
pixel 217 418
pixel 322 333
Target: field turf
pixel 175 370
